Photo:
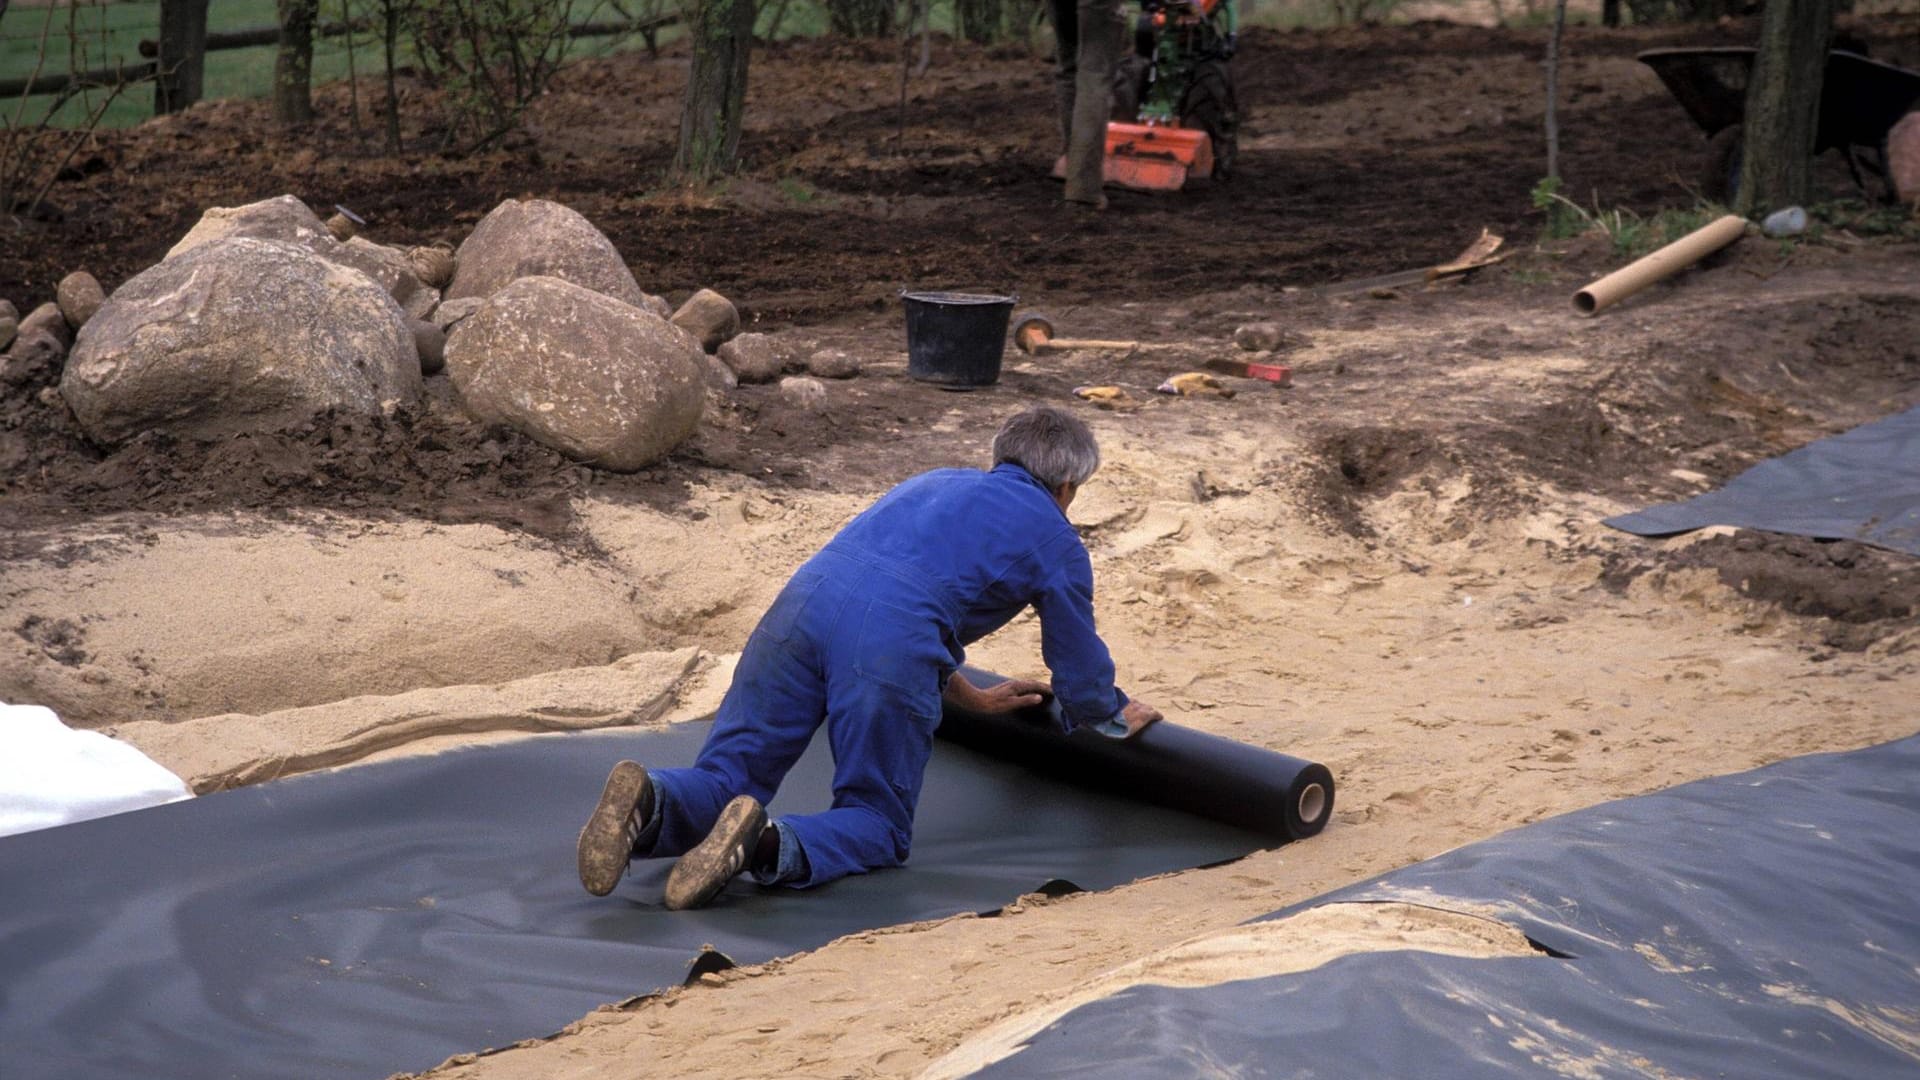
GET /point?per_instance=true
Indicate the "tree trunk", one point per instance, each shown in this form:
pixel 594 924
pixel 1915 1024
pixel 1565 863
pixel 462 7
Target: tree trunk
pixel 1783 105
pixel 293 65
pixel 1102 25
pixel 182 54
pixel 716 90
pixel 1553 89
pixel 391 10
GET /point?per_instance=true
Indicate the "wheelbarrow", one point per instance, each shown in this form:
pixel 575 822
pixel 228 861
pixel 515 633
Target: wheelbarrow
pixel 1860 101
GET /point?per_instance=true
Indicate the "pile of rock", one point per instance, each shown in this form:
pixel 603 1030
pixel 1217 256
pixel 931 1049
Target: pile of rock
pixel 263 315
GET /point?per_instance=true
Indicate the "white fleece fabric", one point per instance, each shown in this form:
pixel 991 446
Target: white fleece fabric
pixel 53 775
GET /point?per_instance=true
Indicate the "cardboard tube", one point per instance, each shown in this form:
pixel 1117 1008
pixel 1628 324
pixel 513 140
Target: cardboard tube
pixel 1660 265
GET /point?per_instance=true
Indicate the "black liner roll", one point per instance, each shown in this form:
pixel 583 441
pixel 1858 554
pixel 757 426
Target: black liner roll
pixel 1283 798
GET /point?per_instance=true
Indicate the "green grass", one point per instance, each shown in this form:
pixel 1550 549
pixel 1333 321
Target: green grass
pixel 111 32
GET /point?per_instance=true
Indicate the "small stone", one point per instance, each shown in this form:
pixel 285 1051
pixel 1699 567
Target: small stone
pixel 656 304
pixel 80 295
pixel 755 358
pixel 720 376
pixel 38 347
pixel 710 317
pixel 802 392
pixel 432 265
pixel 833 364
pixel 450 312
pixel 1259 337
pixel 9 322
pixel 712 979
pixel 431 342
pixel 1903 157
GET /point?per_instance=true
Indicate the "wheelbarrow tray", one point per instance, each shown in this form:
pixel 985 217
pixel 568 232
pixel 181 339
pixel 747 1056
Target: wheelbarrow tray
pixel 1860 99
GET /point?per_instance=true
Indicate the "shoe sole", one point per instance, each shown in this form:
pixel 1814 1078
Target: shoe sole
pixel 605 844
pixel 701 873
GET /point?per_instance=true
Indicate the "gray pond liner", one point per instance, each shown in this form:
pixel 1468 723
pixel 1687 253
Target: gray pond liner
pixel 380 918
pixel 1759 926
pixel 1861 485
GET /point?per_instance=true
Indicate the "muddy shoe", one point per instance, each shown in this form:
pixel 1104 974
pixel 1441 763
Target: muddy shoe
pixel 703 872
pixel 606 844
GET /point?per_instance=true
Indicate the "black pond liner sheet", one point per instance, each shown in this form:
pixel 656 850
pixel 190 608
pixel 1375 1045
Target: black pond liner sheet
pixel 376 919
pixel 1861 485
pixel 1760 925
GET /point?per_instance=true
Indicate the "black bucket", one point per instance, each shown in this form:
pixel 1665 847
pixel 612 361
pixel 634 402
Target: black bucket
pixel 956 339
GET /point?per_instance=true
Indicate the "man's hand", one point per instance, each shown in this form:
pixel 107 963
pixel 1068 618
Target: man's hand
pixel 1010 696
pixel 1139 716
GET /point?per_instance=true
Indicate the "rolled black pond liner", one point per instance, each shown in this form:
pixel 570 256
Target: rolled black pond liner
pixel 1283 798
pixel 376 919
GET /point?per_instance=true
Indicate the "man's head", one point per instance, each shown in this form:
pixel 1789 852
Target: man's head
pixel 1057 448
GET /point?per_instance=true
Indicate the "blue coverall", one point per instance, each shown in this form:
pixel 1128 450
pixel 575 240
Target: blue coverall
pixel 864 637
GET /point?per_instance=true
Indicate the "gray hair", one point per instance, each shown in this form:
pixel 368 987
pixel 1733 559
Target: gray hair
pixel 1057 448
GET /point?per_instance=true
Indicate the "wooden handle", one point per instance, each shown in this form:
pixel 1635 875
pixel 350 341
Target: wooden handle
pixel 1087 343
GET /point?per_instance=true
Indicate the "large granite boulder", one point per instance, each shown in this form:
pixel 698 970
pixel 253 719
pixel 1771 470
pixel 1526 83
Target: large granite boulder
pixel 288 220
pixel 285 218
pixel 537 238
pixel 235 335
pixel 601 381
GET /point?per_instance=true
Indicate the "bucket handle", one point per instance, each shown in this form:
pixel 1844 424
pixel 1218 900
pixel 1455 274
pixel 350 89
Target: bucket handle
pixel 903 291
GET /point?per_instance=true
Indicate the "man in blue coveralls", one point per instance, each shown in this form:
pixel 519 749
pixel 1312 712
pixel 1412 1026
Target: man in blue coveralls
pixel 866 637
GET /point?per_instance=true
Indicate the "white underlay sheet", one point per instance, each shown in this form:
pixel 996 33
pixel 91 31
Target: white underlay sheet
pixel 53 775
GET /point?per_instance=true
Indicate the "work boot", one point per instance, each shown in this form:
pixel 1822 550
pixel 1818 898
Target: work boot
pixel 701 873
pixel 606 843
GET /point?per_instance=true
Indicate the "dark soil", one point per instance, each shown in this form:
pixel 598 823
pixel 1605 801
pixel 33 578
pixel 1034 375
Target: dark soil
pixel 1365 151
pixel 1852 587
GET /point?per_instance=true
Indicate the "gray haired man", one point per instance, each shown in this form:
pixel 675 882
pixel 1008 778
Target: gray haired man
pixel 866 638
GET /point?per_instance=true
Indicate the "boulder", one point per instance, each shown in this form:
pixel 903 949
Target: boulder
pixel 431 343
pixel 1903 157
pixel 710 317
pixel 287 219
pixel 720 377
pixel 537 238
pixel 389 269
pixel 450 312
pixel 833 364
pixel 802 392
pixel 80 295
pixel 755 358
pixel 595 378
pixel 37 348
pixel 9 322
pixel 237 335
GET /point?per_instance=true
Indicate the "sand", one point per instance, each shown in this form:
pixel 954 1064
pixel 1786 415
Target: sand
pixel 1448 628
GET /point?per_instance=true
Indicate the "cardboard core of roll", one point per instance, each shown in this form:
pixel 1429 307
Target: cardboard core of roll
pixel 1659 265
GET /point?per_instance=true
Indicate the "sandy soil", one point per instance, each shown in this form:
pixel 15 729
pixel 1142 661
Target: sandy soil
pixel 1393 566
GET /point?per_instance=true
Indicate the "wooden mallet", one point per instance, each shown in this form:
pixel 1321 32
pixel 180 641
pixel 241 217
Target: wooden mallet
pixel 1033 333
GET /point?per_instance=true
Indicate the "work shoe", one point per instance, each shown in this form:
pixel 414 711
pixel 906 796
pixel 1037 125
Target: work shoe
pixel 701 873
pixel 606 844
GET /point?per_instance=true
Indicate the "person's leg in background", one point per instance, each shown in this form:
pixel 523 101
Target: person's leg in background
pixel 1066 50
pixel 1101 27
